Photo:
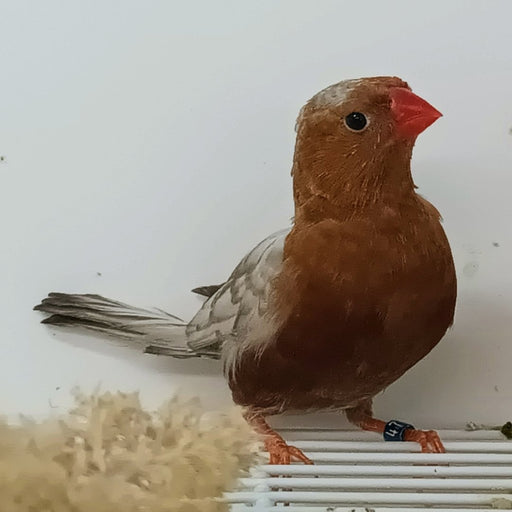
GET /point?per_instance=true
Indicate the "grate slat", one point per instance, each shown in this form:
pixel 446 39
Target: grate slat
pixel 461 484
pixel 357 472
pixel 379 498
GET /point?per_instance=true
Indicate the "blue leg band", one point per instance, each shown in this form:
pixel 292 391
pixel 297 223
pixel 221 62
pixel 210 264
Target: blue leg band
pixel 395 430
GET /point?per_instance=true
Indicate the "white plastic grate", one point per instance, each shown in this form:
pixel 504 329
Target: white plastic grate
pixel 358 472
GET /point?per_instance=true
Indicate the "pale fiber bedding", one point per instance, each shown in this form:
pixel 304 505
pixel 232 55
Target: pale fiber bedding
pixel 110 455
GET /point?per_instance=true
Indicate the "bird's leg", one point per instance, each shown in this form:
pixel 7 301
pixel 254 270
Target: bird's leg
pixel 362 416
pixel 280 452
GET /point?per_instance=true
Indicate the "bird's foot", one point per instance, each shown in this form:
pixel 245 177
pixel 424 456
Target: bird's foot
pixel 282 453
pixel 279 451
pixel 395 430
pixel 429 440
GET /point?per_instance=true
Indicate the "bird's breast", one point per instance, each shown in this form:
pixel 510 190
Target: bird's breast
pixel 363 287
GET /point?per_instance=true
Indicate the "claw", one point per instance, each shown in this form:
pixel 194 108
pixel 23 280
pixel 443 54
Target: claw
pixel 279 451
pixel 429 440
pixel 282 453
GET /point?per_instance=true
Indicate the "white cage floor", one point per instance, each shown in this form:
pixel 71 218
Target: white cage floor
pixel 357 471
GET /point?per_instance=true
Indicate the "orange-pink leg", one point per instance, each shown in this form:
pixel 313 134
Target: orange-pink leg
pixel 362 416
pixel 280 452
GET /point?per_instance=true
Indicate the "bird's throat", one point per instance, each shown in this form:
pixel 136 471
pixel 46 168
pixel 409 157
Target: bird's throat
pixel 332 188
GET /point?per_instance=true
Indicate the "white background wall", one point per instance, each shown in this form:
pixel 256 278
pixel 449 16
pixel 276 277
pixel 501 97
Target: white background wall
pixel 151 142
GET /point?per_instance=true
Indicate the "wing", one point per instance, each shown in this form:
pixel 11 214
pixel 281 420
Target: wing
pixel 207 291
pixel 241 302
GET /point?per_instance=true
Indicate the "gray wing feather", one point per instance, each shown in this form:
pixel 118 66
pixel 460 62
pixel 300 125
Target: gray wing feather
pixel 242 300
pixel 207 291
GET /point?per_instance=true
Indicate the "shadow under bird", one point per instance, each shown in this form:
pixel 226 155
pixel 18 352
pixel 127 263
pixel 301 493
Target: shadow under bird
pixel 328 313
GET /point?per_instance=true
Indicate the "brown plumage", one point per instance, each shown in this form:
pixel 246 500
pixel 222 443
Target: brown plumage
pixel 362 287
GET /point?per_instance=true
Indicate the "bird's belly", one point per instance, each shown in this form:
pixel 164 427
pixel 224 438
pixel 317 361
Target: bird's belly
pixel 326 357
pixel 274 383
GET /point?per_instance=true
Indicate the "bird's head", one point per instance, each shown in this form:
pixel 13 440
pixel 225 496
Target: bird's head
pixel 354 143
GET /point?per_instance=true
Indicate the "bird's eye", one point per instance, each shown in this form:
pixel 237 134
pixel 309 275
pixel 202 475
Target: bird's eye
pixel 356 121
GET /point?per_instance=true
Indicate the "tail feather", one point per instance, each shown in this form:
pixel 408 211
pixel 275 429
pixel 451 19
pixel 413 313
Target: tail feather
pixel 163 350
pixel 96 304
pixel 102 327
pixel 157 330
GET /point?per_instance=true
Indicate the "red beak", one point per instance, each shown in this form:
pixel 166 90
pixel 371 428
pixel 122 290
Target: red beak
pixel 412 114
